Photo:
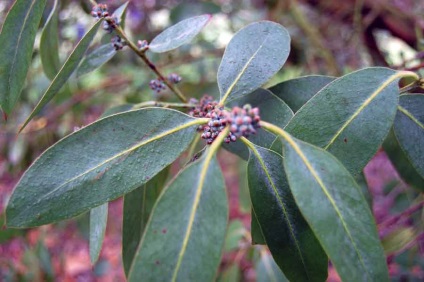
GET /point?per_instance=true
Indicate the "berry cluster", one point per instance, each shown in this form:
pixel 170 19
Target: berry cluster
pixel 100 11
pixel 174 78
pixel 203 107
pixel 157 85
pixel 110 23
pixel 218 121
pixel 117 42
pixel 244 121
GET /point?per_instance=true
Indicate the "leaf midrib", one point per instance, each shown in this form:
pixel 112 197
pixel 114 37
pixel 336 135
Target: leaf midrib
pixel 282 206
pixel 410 116
pixel 296 148
pixel 364 105
pixel 127 151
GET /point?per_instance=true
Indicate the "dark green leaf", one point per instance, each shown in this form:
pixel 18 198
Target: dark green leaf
pixel 267 270
pixel 337 212
pixel 272 109
pixel 65 72
pixel 17 42
pixel 251 58
pixel 401 162
pixel 256 231
pixel 49 43
pixel 296 92
pixel 409 129
pixel 99 163
pixel 138 206
pixel 96 59
pixel 179 34
pixel 291 241
pixel 186 231
pixel 98 222
pixel 342 115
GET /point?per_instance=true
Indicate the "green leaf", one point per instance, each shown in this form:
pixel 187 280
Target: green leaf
pixel 337 212
pixel 186 231
pixel 17 42
pixel 138 206
pixel 296 92
pixel 271 109
pixel 98 222
pixel 401 162
pixel 267 270
pixel 49 43
pixel 231 274
pixel 252 57
pixel 342 115
pixel 179 34
pixel 99 163
pixel 121 13
pixel 65 72
pixel 256 231
pixel 409 129
pixel 96 59
pixel 291 241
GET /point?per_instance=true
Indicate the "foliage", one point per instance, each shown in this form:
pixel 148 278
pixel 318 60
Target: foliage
pixel 306 141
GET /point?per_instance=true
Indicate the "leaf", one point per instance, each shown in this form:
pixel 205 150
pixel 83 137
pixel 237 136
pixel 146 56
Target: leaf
pixel 267 270
pixel 186 231
pixel 96 59
pixel 335 209
pixel 138 206
pixel 231 274
pixel 291 241
pixel 252 57
pixel 271 109
pixel 256 231
pixel 98 222
pixel 341 117
pixel 99 163
pixel 121 13
pixel 409 129
pixel 17 42
pixel 399 239
pixel 401 162
pixel 178 34
pixel 296 92
pixel 65 72
pixel 49 43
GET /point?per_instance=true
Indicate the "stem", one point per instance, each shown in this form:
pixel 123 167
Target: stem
pixel 276 130
pixel 142 55
pixel 162 104
pixel 407 212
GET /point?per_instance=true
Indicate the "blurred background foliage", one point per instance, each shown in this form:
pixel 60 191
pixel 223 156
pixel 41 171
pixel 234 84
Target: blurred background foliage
pixel 328 37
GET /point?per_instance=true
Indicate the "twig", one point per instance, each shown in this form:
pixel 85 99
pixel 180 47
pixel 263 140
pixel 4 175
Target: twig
pixel 142 55
pixel 407 212
pixel 162 104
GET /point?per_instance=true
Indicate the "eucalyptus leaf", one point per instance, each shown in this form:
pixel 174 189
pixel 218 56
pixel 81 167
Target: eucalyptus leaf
pixel 98 222
pixel 231 274
pixel 296 92
pixel 235 233
pixel 138 206
pixel 271 109
pixel 256 231
pixel 17 42
pixel 178 34
pixel 409 129
pixel 96 59
pixel 252 57
pixel 99 163
pixel 267 270
pixel 121 13
pixel 49 43
pixel 351 116
pixel 291 241
pixel 335 209
pixel 401 162
pixel 65 72
pixel 186 231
